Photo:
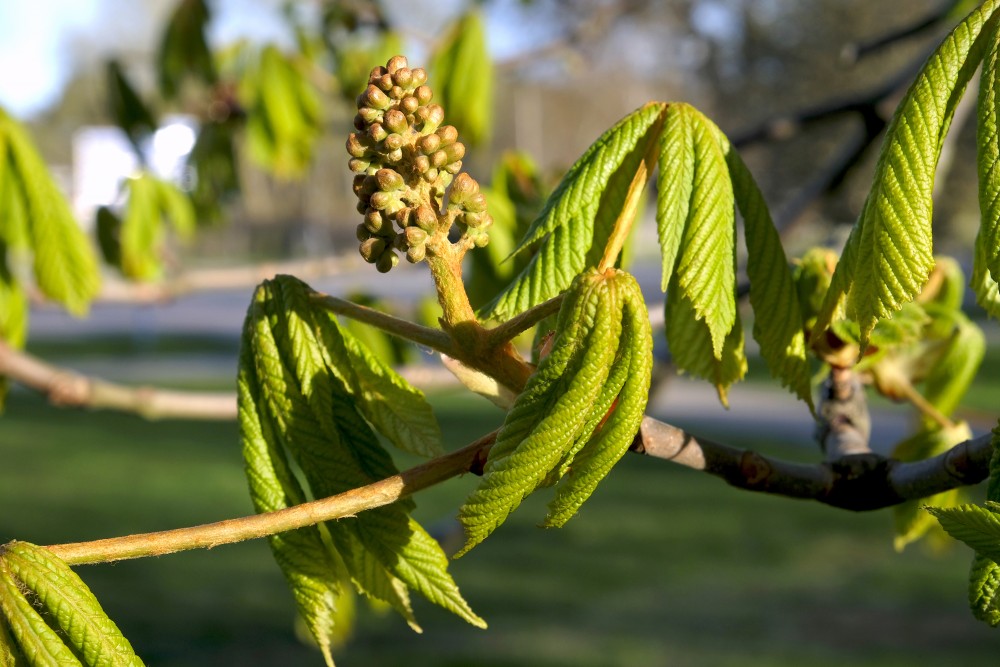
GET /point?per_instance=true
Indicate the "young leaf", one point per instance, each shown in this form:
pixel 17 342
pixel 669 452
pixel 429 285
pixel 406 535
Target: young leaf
pixel 128 110
pixel 312 572
pixel 986 289
pixel 462 72
pixel 977 526
pixel 984 590
pixel 313 416
pixel 39 643
pixel 888 254
pixel 565 230
pixel 548 416
pixel 950 378
pixel 612 438
pixel 911 523
pixel 778 324
pixel 691 345
pixel 13 314
pixel 988 153
pixel 72 606
pixel 696 220
pixel 184 50
pixel 10 654
pixel 64 263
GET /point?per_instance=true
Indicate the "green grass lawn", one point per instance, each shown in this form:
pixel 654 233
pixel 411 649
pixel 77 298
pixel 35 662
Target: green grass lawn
pixel 663 566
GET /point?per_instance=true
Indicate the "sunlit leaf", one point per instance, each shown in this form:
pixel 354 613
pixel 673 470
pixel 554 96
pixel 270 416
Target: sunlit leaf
pixel 579 214
pixel 975 525
pixel 889 254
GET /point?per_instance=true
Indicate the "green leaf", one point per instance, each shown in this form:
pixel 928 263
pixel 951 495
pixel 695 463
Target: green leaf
pixel 911 523
pixel 10 654
pixel 313 573
pixel 313 416
pixel 778 322
pixel 39 643
pixel 984 590
pixel 976 526
pixel 216 174
pixel 986 289
pixel 634 366
pixel 13 314
pixel 988 154
pixel 548 417
pixel 184 50
pixel 696 220
pixel 889 253
pixel 64 263
pixel 72 606
pixel 127 109
pixel 141 232
pixel 690 345
pixel 993 486
pixel 462 74
pixel 579 213
pixel 109 229
pixel 950 378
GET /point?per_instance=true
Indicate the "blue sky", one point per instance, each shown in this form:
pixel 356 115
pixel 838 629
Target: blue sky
pixel 38 38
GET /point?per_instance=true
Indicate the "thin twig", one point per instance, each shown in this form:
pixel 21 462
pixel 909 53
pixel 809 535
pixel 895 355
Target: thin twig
pixel 517 325
pixel 434 339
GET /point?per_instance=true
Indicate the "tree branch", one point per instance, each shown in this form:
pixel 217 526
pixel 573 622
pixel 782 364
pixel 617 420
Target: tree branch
pixel 435 339
pixel 856 482
pixel 64 387
pixel 517 325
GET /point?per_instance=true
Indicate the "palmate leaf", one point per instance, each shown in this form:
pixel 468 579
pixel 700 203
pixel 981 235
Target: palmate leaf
pixel 462 72
pixel 64 264
pixel 984 590
pixel 69 604
pixel 888 255
pixel 301 403
pixel 580 207
pixel 950 378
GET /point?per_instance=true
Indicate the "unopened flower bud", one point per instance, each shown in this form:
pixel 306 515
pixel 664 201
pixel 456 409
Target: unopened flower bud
pixel 430 174
pixel 368 116
pixel 425 218
pixel 374 221
pixel 424 94
pixel 428 144
pixel 362 232
pixel 375 98
pixel 421 163
pixel 453 167
pixel 388 180
pixel 385 263
pixel 438 158
pixel 377 132
pixel 463 187
pixel 357 165
pixel 394 157
pixel 474 204
pixel 415 236
pixel 409 104
pixel 372 249
pixel 380 200
pixel 354 146
pixel 403 77
pixel 419 76
pixel 384 82
pixel 397 92
pixel 455 151
pixel 377 72
pixel 448 134
pixel 396 63
pixel 416 253
pixel 395 121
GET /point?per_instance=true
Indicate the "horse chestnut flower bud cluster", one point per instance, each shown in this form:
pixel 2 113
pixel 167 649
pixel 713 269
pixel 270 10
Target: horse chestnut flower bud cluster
pixel 404 160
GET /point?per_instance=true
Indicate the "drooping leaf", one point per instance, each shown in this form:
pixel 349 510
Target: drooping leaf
pixel 184 50
pixel 975 525
pixel 566 230
pixel 950 378
pixel 39 643
pixel 778 322
pixel 216 174
pixel 986 289
pixel 10 654
pixel 151 203
pixel 64 263
pixel 888 255
pixel 911 522
pixel 696 220
pixel 462 73
pixel 70 604
pixel 691 350
pixel 109 228
pixel 307 395
pixel 615 434
pixel 548 416
pixel 313 573
pixel 128 110
pixel 13 314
